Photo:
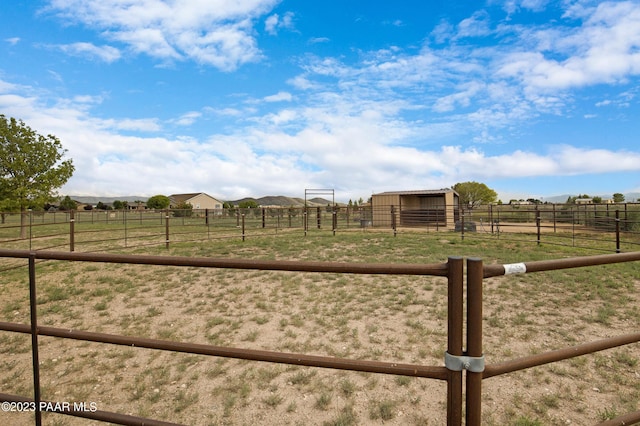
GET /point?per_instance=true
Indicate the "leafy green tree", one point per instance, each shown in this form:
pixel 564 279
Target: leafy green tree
pixel 158 202
pixel 472 194
pixel 120 205
pixel 248 204
pixel 229 209
pixel 597 200
pixel 68 204
pixel 31 168
pixel 618 198
pixel 183 209
pixel 103 206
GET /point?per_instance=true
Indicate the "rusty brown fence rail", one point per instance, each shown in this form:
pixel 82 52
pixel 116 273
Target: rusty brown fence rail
pixel 457 362
pixel 453 270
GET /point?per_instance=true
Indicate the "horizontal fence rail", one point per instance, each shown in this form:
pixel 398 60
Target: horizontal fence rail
pixel 415 370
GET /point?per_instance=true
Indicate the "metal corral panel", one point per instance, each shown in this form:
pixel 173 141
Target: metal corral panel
pixel 415 208
pixel 381 208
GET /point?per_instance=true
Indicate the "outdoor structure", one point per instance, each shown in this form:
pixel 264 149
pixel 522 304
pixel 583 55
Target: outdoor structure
pixel 198 200
pixel 416 208
pixel 584 200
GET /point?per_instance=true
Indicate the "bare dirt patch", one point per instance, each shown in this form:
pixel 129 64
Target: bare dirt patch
pixel 387 318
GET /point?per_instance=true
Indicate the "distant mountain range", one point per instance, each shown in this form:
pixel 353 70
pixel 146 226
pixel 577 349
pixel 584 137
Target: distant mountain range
pixel 282 201
pixel 270 200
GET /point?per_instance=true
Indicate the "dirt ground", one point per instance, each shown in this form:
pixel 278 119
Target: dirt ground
pixel 386 318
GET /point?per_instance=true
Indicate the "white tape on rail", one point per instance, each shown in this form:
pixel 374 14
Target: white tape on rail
pixel 515 268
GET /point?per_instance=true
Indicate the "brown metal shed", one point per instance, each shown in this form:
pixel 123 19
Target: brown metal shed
pixel 416 208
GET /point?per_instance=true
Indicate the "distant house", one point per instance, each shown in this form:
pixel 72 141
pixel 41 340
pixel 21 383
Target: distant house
pixel 199 201
pixel 584 200
pixel 416 208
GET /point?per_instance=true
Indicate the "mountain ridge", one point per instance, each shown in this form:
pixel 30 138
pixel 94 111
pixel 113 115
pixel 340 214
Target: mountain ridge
pixel 268 200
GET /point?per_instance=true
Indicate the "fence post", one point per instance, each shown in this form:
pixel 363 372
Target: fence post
pixel 72 230
pixel 124 221
pixel 474 340
pixel 538 222
pixel 30 229
pixel 242 226
pixel 454 339
pixel 319 217
pixel 34 338
pixel 264 218
pixel 393 220
pixel 166 229
pixel 617 231
pixel 334 218
pixel 491 216
pixel 305 221
pixel 462 223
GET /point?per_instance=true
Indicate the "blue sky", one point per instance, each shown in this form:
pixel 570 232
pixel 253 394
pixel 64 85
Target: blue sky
pixel 243 98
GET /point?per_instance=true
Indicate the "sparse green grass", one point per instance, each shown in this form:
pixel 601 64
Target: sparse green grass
pixel 383 410
pixel 387 318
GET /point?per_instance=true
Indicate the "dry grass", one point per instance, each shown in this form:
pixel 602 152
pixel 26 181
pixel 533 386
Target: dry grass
pixel 388 318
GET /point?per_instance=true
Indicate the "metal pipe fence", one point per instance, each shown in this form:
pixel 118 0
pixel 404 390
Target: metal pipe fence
pixel 451 270
pixel 458 364
pixel 585 226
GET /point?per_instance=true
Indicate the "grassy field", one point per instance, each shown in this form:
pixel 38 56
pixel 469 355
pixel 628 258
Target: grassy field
pixel 388 318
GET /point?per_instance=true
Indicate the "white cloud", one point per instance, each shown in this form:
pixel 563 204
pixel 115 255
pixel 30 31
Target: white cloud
pixel 478 25
pixel 604 49
pixel 188 118
pixel 314 40
pixel 103 53
pixel 279 97
pixel 461 98
pixel 271 24
pixel 274 22
pixel 217 32
pixel 143 125
pixel 12 40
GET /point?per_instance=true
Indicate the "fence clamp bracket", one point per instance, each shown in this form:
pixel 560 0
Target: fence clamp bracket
pixel 464 362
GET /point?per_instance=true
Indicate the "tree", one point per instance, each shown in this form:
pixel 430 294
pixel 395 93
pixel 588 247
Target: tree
pixel 158 202
pixel 618 198
pixel 68 204
pixel 103 206
pixel 248 204
pixel 472 194
pixel 183 209
pixel 120 205
pixel 31 168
